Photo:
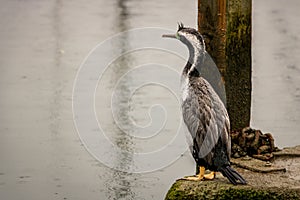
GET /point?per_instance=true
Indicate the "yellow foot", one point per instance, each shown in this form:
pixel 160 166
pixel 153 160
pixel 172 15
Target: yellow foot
pixel 198 177
pixel 193 178
pixel 210 176
pixel 201 176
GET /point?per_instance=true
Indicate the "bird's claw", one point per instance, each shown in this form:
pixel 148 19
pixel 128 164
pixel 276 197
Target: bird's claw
pixel 193 178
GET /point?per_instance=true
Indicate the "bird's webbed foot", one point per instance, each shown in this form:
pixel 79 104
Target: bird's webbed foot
pixel 193 178
pixel 210 176
pixel 201 176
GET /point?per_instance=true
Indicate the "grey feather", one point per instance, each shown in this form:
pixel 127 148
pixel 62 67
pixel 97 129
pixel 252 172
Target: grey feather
pixel 206 119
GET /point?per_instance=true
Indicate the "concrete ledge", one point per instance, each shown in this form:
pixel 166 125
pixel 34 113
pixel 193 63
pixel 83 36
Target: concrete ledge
pixel 189 190
pixel 262 183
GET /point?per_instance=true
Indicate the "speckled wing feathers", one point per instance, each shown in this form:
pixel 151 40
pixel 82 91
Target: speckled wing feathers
pixel 206 119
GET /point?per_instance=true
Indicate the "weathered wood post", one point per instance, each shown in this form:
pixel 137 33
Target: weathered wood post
pixel 226 25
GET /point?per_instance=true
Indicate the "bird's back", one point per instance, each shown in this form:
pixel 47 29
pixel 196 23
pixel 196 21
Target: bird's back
pixel 207 121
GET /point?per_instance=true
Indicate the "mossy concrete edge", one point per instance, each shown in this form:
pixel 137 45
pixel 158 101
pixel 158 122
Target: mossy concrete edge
pixel 183 189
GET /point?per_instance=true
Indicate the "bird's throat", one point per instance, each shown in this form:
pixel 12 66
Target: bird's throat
pixel 193 66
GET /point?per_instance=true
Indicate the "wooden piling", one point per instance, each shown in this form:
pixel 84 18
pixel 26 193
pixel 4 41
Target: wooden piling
pixel 226 25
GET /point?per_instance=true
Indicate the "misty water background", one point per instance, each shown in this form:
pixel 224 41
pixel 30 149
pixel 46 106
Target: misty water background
pixel 43 43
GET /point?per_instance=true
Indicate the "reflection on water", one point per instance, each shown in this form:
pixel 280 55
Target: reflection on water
pixel 124 185
pixel 119 184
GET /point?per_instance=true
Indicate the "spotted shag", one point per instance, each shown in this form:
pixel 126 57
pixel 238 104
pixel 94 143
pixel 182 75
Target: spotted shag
pixel 204 113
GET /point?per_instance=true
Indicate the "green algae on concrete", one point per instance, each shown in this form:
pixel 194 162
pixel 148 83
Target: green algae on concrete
pixel 192 190
pixel 274 184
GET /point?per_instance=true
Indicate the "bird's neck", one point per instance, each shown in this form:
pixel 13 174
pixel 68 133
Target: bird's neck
pixel 196 59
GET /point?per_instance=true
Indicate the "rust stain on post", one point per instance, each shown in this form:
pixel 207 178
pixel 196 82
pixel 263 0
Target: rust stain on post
pixel 212 24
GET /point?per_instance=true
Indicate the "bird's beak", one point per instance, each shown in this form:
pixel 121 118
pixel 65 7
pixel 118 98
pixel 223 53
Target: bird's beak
pixel 169 35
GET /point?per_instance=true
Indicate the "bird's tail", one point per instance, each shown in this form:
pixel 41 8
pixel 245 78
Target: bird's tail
pixel 233 176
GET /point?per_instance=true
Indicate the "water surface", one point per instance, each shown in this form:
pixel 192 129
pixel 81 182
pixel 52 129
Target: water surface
pixel 42 46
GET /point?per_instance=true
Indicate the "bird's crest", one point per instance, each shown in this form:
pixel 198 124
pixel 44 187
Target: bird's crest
pixel 180 26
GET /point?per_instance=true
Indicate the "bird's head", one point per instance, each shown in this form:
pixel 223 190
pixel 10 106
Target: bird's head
pixel 189 36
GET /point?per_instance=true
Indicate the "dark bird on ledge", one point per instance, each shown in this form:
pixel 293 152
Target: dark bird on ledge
pixel 204 113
